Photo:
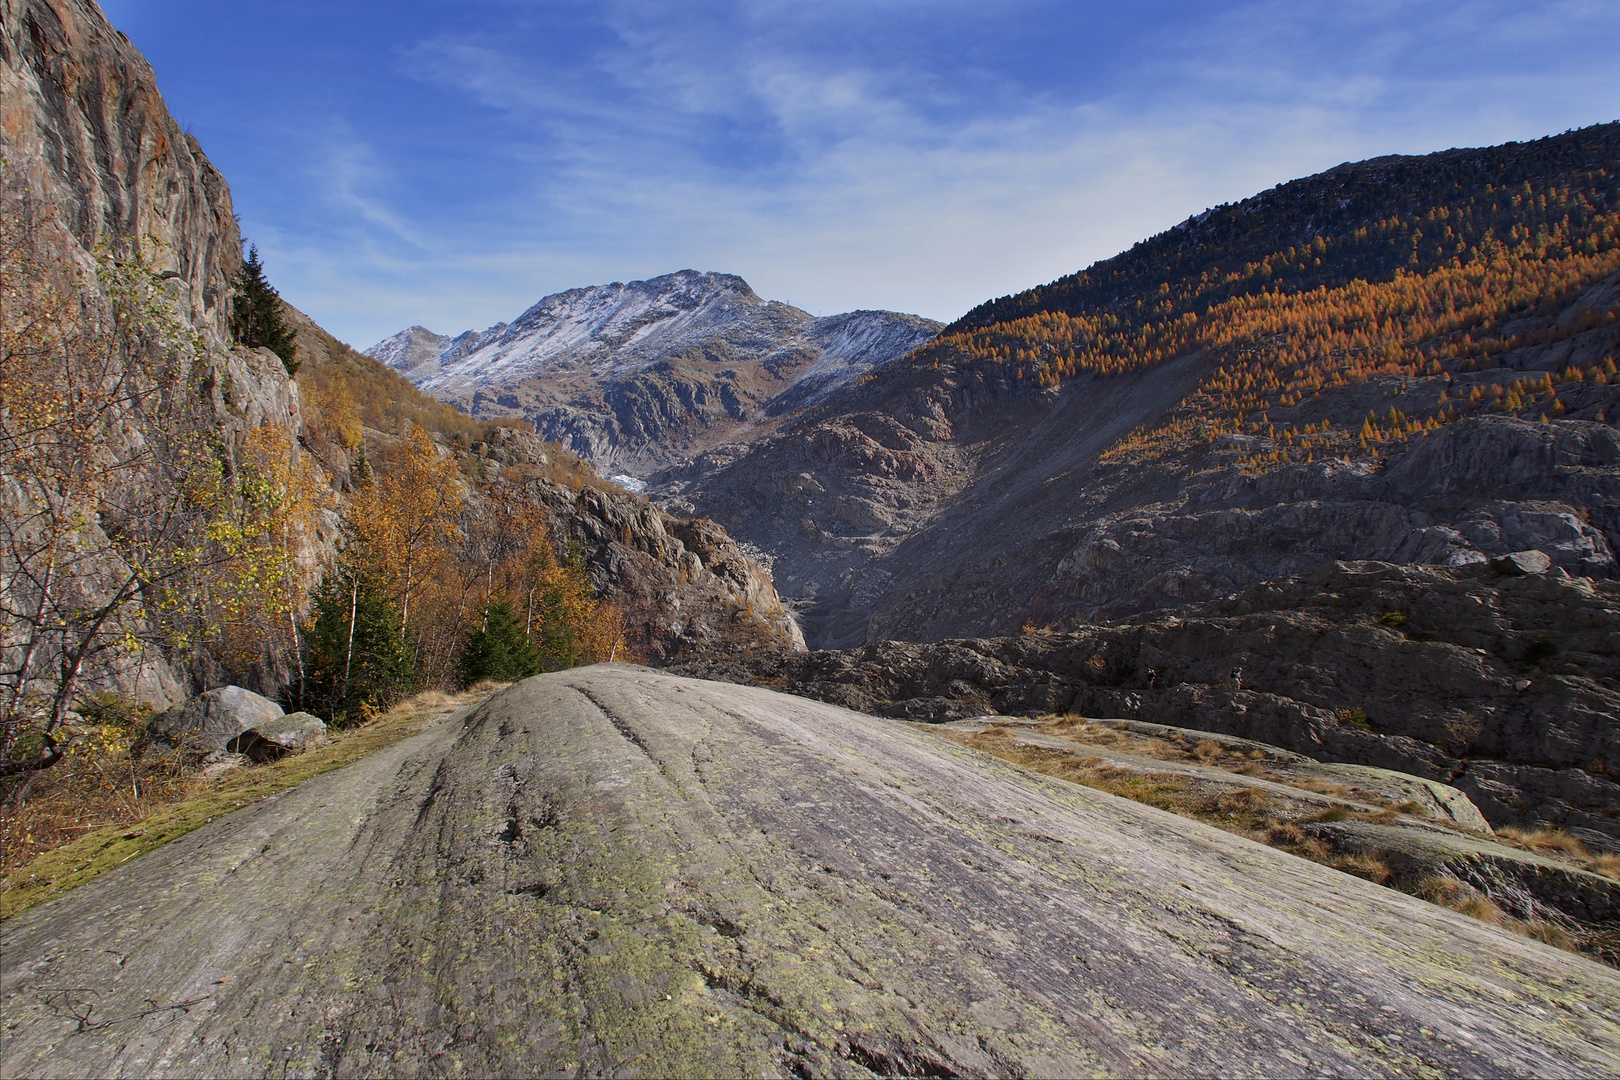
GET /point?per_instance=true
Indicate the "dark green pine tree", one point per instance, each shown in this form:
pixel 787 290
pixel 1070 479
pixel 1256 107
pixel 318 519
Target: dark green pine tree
pixel 357 657
pixel 256 318
pixel 498 649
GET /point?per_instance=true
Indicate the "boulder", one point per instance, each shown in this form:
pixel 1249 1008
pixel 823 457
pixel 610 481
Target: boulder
pixel 210 722
pixel 272 738
pixel 1522 563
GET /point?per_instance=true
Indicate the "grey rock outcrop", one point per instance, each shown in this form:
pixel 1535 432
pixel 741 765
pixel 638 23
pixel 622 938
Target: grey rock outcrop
pixel 1504 686
pixel 1428 797
pixel 271 738
pixel 85 122
pixel 610 871
pixel 213 721
pixel 1523 884
pixel 686 588
pixel 1403 831
pixel 91 149
pixel 1522 562
pixel 640 375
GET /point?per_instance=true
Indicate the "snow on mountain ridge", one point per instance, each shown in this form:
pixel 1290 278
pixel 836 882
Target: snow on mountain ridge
pixel 586 326
pixel 632 372
pixel 620 325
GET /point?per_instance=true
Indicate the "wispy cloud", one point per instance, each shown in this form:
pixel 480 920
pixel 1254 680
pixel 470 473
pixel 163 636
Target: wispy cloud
pixel 921 156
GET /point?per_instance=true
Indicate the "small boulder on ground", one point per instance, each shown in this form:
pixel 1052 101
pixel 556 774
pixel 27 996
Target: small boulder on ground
pixel 209 722
pixel 1522 563
pixel 270 739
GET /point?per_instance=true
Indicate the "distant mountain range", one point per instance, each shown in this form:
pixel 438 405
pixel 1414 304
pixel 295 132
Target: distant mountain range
pixel 639 376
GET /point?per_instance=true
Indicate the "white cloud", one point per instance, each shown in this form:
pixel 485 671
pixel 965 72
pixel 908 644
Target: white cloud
pixel 832 180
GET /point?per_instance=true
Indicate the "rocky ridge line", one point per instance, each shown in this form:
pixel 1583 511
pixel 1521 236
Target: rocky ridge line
pixel 635 376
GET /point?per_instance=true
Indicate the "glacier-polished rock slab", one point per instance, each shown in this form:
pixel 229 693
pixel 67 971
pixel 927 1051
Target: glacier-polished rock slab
pixel 614 872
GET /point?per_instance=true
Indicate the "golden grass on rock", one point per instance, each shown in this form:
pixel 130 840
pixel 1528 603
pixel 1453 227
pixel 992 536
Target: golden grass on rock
pixel 198 799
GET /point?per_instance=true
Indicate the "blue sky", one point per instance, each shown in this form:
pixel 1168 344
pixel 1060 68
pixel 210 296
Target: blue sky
pixel 448 163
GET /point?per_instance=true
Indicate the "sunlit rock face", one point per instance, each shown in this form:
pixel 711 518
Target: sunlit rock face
pixel 772 886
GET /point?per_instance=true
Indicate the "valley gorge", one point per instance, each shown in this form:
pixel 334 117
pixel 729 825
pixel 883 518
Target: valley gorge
pixel 1210 655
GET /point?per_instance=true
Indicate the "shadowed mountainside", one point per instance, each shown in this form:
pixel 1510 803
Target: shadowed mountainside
pixel 1409 360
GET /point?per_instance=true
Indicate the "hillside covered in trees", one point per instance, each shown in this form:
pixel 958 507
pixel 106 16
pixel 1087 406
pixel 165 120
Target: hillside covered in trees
pixel 1359 364
pixel 1394 267
pixel 199 487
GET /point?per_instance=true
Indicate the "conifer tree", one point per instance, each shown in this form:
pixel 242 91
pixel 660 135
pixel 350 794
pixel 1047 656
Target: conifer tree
pixel 256 318
pixel 358 662
pixel 498 648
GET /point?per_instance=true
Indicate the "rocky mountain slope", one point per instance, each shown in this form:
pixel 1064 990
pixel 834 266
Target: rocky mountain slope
pixel 636 376
pixel 94 162
pixel 1503 684
pixel 684 586
pixel 609 871
pixel 1409 360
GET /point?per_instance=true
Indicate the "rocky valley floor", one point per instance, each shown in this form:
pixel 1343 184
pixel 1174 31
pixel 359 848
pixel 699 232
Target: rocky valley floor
pixel 610 871
pixel 1503 684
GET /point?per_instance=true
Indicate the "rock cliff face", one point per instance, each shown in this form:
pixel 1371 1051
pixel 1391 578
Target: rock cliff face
pixel 637 376
pixel 1505 685
pixel 685 587
pixel 84 124
pixel 96 162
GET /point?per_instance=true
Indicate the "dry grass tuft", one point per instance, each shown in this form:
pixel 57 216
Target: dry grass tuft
pixel 1285 834
pixel 1544 842
pixel 1548 933
pixel 1371 867
pixel 1081 730
pixel 1607 864
pixel 1241 801
pixel 1481 908
pixel 1443 890
pixel 1326 787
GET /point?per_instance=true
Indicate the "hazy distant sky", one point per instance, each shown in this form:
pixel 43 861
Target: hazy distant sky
pixel 448 163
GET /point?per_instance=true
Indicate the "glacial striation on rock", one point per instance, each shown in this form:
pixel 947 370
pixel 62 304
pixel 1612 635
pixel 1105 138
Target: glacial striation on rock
pixel 608 870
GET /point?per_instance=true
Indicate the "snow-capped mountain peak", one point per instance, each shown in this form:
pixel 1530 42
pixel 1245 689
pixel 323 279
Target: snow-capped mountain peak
pixel 639 372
